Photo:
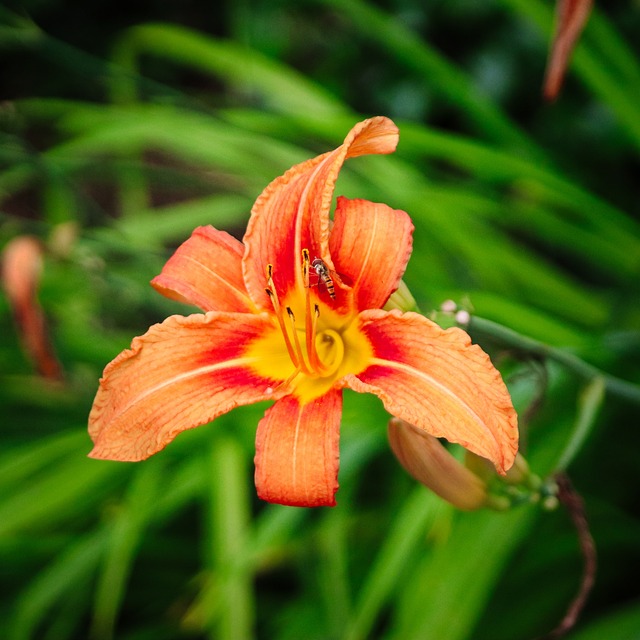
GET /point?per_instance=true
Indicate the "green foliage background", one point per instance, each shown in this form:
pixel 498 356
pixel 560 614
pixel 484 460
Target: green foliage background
pixel 123 127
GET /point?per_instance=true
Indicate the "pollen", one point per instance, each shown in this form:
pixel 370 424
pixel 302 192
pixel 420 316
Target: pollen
pixel 311 346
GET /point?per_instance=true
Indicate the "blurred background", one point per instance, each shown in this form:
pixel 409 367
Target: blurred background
pixel 125 125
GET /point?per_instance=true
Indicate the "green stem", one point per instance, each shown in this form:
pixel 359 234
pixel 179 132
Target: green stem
pixel 614 385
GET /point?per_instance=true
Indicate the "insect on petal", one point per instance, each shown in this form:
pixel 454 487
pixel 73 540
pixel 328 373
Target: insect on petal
pixel 370 244
pixel 292 213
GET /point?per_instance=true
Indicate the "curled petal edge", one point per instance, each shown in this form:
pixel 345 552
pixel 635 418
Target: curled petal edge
pixel 299 202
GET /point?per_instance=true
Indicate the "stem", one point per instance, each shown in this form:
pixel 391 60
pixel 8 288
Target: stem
pixel 614 385
pixel 572 501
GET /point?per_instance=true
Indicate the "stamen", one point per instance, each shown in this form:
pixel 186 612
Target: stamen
pixel 310 336
pixel 305 267
pixel 289 380
pixel 310 319
pixel 302 364
pixel 273 297
pixel 304 357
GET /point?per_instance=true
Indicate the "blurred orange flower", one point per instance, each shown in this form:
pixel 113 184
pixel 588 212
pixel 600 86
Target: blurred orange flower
pixel 21 272
pixel 572 16
pixel 293 314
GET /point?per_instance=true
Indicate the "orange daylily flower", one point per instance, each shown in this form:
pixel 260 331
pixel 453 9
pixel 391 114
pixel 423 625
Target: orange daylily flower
pixel 293 314
pixel 21 264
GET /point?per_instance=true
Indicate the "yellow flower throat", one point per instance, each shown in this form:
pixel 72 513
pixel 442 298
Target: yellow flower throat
pixel 311 345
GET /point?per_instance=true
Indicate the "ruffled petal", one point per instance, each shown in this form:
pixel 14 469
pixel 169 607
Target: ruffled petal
pixel 292 213
pixel 370 245
pixel 297 451
pixel 206 270
pixel 180 374
pixel 440 382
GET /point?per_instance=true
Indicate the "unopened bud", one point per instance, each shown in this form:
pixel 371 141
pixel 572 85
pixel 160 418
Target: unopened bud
pixel 463 318
pixel 401 299
pixel 62 239
pixel 520 473
pixel 427 460
pixel 21 271
pixel 448 306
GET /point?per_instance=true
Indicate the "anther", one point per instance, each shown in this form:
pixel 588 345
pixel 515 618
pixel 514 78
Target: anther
pixel 303 352
pixel 305 268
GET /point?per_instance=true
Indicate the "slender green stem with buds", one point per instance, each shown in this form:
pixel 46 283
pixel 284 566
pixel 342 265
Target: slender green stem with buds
pixel 509 337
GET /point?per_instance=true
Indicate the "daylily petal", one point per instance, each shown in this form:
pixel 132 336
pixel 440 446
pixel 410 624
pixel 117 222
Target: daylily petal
pixel 180 374
pixel 370 244
pixel 292 213
pixel 440 382
pixel 206 270
pixel 297 451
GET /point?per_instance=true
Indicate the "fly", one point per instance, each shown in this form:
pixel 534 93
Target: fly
pixel 324 276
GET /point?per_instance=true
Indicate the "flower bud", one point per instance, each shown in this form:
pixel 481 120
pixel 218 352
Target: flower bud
pixel 401 299
pixel 429 462
pixel 21 272
pixel 518 474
